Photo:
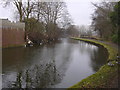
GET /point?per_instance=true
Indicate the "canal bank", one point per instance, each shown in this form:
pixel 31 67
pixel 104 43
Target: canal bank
pixel 107 75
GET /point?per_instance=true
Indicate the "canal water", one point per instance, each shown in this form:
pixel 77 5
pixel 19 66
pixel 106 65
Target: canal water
pixel 57 65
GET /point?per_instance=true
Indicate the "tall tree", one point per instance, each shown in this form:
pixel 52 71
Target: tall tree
pixel 50 13
pixel 28 8
pixel 101 19
pixel 115 19
pixel 24 8
pixel 19 6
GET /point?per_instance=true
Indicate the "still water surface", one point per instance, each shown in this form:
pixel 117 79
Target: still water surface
pixel 59 65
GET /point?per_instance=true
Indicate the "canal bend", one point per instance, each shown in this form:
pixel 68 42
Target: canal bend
pixel 57 65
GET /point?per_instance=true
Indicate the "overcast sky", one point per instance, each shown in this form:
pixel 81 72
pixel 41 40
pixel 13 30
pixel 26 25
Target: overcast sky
pixel 80 11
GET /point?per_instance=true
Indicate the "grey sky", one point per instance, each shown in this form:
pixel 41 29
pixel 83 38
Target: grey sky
pixel 80 10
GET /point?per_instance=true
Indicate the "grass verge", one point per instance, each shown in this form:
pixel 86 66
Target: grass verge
pixel 103 77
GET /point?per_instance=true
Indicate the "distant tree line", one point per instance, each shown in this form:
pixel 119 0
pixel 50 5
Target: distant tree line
pixel 80 31
pixel 44 21
pixel 106 20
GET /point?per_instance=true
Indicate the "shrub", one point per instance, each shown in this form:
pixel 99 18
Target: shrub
pixel 115 38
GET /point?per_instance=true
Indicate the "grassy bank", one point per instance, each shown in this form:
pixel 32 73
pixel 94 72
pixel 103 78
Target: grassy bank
pixel 103 77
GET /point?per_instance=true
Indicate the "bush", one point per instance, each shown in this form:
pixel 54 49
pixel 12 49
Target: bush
pixel 115 38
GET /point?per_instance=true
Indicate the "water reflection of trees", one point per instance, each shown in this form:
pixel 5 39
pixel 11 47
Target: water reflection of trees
pixel 98 58
pixel 42 75
pixel 87 47
pixel 98 55
pixel 38 77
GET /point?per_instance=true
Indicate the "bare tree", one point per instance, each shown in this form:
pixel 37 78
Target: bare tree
pixel 101 19
pixel 19 6
pixel 28 8
pixel 73 31
pixel 23 8
pixel 50 13
pixel 42 15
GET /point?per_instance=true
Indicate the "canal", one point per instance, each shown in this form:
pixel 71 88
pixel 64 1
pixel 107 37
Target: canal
pixel 57 65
